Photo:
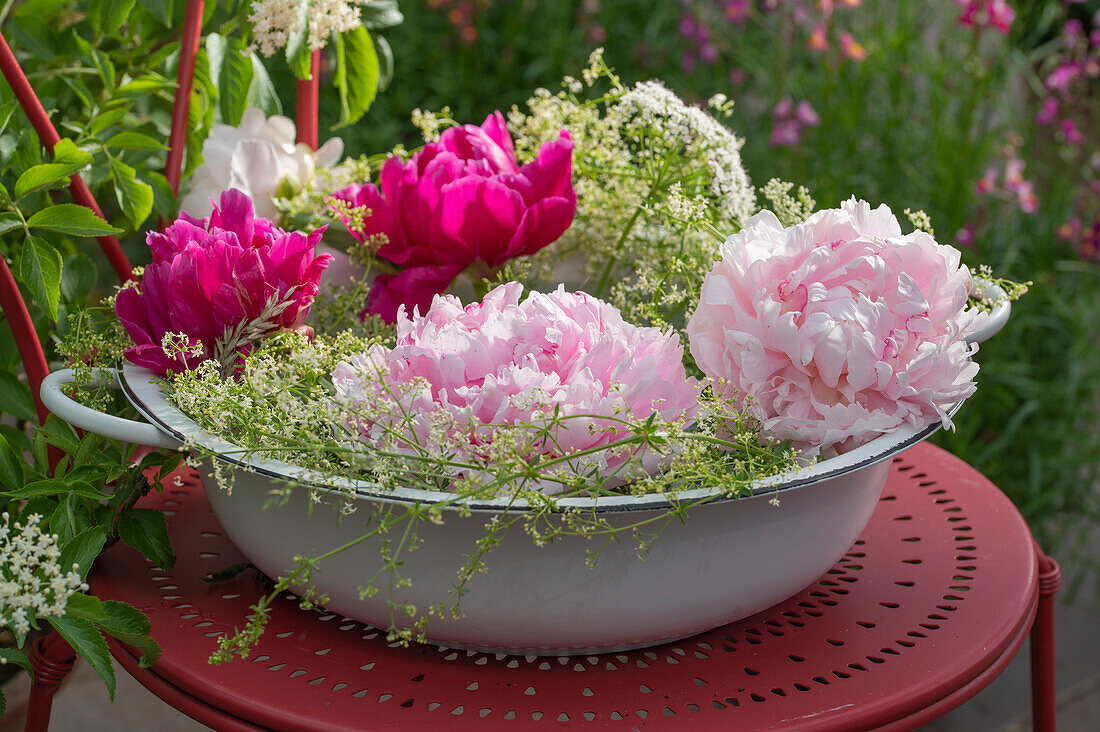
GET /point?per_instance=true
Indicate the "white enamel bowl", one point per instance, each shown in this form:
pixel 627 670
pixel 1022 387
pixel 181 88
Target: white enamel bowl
pixel 730 559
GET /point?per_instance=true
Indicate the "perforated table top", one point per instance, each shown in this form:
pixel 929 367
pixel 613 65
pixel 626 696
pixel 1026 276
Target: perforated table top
pixel 929 605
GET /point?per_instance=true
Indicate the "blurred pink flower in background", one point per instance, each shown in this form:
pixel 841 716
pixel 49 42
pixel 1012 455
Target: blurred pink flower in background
pixel 818 40
pixel 210 275
pixel 788 121
pixel 507 362
pixel 839 329
pixel 851 49
pixel 981 14
pixel 457 202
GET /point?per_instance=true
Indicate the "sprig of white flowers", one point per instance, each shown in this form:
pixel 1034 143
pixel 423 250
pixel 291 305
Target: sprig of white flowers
pixel 33 584
pixel 275 21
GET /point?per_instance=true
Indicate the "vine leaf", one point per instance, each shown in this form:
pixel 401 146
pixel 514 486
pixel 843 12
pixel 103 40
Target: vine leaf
pixel 89 644
pixel 40 270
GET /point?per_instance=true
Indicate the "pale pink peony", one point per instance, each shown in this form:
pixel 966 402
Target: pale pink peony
pixel 208 276
pixel 838 329
pixel 503 362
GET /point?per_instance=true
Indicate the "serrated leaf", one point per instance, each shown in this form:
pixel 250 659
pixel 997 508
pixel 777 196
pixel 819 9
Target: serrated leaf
pixel 45 176
pixel 129 140
pixel 58 487
pixel 11 655
pixel 160 9
pixel 379 14
pixel 11 466
pixel 356 75
pixel 298 54
pixel 107 16
pixel 60 433
pixel 9 221
pixel 90 645
pixel 15 398
pixel 82 550
pixel 146 530
pixel 234 83
pixel 385 62
pixel 69 218
pixel 142 86
pixel 261 92
pixel 78 276
pixel 120 620
pixel 40 270
pixel 108 118
pixel 66 151
pixel 134 197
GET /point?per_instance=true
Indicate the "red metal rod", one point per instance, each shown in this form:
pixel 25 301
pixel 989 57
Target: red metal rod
pixel 48 136
pixel 26 339
pixel 1044 704
pixel 308 95
pixel 185 81
pixel 52 659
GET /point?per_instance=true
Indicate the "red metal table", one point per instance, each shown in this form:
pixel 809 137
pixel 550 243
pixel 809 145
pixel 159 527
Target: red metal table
pixel 927 608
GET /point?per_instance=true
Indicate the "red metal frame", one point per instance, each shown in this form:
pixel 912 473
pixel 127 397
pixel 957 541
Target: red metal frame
pixel 307 98
pixel 49 137
pixel 26 339
pixel 185 80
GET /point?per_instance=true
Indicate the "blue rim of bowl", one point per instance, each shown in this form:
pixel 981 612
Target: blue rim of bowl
pixel 140 387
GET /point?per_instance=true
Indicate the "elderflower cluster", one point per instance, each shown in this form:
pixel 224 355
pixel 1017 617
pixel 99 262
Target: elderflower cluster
pixel 275 21
pixel 32 583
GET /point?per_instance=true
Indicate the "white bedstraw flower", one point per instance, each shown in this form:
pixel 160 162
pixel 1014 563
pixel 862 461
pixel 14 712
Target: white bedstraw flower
pixel 254 157
pixel 32 584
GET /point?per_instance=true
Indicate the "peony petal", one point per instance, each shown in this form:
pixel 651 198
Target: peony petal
pixel 414 288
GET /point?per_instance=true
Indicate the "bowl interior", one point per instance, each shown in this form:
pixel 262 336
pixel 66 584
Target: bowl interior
pixel 143 389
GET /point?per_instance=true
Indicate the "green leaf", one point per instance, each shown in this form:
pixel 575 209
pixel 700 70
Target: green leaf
pixel 16 438
pixel 78 276
pixel 118 619
pixel 298 54
pixel 142 86
pixel 69 218
pixel 385 62
pixel 109 117
pixel 60 433
pixel 128 140
pixel 134 197
pixel 164 201
pixel 15 398
pixel 46 175
pixel 7 109
pixel 105 68
pixel 89 644
pixel 107 16
pixel 40 270
pixel 146 529
pixel 160 9
pixel 66 151
pixel 82 550
pixel 356 75
pixel 228 573
pixel 11 466
pixel 234 82
pixel 11 655
pixel 8 221
pixel 380 14
pixel 55 487
pixel 261 92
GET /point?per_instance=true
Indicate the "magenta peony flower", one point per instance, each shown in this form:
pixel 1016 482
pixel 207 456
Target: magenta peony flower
pixel 838 329
pixel 459 201
pixel 211 276
pixel 506 362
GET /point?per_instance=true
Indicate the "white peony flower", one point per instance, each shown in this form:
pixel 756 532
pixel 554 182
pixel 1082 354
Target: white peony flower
pixel 254 157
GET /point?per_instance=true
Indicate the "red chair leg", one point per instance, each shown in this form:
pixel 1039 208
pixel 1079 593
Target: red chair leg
pixel 306 101
pixel 52 659
pixel 1044 705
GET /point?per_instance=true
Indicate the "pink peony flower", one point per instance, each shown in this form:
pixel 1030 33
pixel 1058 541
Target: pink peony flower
pixel 838 329
pixel 210 275
pixel 503 362
pixel 460 201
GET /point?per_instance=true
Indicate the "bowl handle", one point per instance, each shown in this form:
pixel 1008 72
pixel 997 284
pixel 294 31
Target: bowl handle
pixel 997 316
pixel 78 415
